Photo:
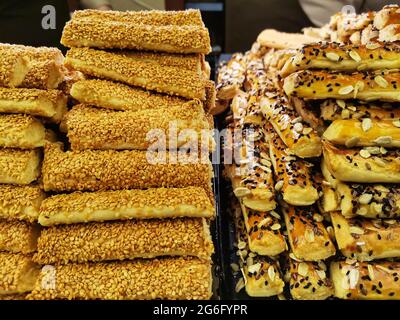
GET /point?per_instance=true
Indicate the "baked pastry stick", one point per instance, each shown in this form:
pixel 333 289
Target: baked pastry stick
pixel 300 139
pixel 168 278
pixel 93 128
pixel 19 166
pixel 330 199
pixel 308 114
pixel 150 74
pixel 231 77
pixel 364 133
pixel 309 280
pixel 339 109
pixel 366 280
pixel 264 230
pixel 323 85
pixel 112 33
pixel 21 131
pixel 18 273
pixel 44 103
pixel 20 202
pixel 93 170
pixel 362 165
pixel 13 67
pixel 18 236
pixel 365 239
pixel 100 206
pixel 343 57
pixel 309 240
pixel 124 240
pixel 292 175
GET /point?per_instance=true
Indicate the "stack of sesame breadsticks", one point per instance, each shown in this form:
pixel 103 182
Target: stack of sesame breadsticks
pixel 29 104
pixel 126 221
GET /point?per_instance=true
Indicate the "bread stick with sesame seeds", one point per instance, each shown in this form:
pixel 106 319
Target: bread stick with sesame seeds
pixel 309 240
pixel 339 109
pixel 301 139
pixel 292 175
pixel 100 206
pixel 168 278
pixel 18 273
pixel 366 239
pixel 18 236
pixel 118 96
pixel 44 103
pixel 19 166
pixel 264 232
pixel 21 131
pixel 364 133
pixel 343 57
pixel 93 128
pixel 364 86
pixel 20 202
pixel 93 170
pixel 138 31
pixel 309 280
pixel 362 165
pixel 13 67
pixel 151 74
pixel 366 280
pixel 209 103
pixel 124 240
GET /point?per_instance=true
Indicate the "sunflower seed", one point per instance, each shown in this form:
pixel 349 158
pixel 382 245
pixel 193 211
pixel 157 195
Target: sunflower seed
pixel 356 230
pixel 303 269
pixel 362 211
pixel 275 226
pixel 352 142
pixel 384 140
pixel 265 162
pixel 279 185
pixel 365 198
pixel 377 207
pixel 366 124
pixel 321 274
pixel 307 131
pixel 264 222
pixel 297 120
pixel 298 127
pixel 345 114
pixel 341 103
pixel 372 46
pixel 353 277
pixel 241 245
pixel 275 215
pixel 254 268
pixel 371 272
pixel 241 192
pixel 271 273
pixel 355 56
pixel 346 90
pixel 381 81
pixel 380 162
pixel 365 154
pixel 292 256
pixel 333 56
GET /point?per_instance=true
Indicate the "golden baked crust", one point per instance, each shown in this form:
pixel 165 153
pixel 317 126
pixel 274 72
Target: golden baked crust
pixel 150 73
pixel 231 77
pixel 18 236
pixel 281 40
pixel 19 166
pixel 168 278
pixel 366 280
pixel 330 199
pixel 313 85
pixel 308 238
pixel 355 165
pixel 100 206
pixel 21 131
pixel 366 240
pixel 13 67
pixel 156 31
pixel 387 16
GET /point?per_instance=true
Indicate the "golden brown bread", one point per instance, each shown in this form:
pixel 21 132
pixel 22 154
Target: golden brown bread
pixel 366 240
pixel 362 165
pixel 18 236
pixel 13 67
pixel 366 280
pixel 308 237
pixel 313 85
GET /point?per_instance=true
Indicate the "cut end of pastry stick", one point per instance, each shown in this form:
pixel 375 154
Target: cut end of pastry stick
pixel 13 67
pixel 126 204
pixel 281 40
pixel 18 236
pixel 169 278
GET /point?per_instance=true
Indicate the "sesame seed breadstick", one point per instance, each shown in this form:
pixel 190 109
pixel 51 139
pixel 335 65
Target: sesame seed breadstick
pixel 13 297
pixel 168 278
pixel 93 128
pixel 44 103
pixel 149 74
pixel 309 240
pixel 93 170
pixel 18 236
pixel 209 103
pixel 366 280
pixel 114 33
pixel 361 85
pixel 21 131
pixel 13 67
pixel 18 273
pixel 121 240
pixel 36 53
pixel 19 166
pixel 365 239
pixel 20 202
pixel 309 281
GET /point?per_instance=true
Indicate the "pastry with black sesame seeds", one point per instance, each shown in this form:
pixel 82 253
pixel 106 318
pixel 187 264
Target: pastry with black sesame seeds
pixel 18 274
pixel 14 66
pixel 362 165
pixel 150 73
pixel 20 167
pixel 366 280
pixel 366 86
pixel 18 236
pixel 308 238
pixel 308 114
pixel 181 278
